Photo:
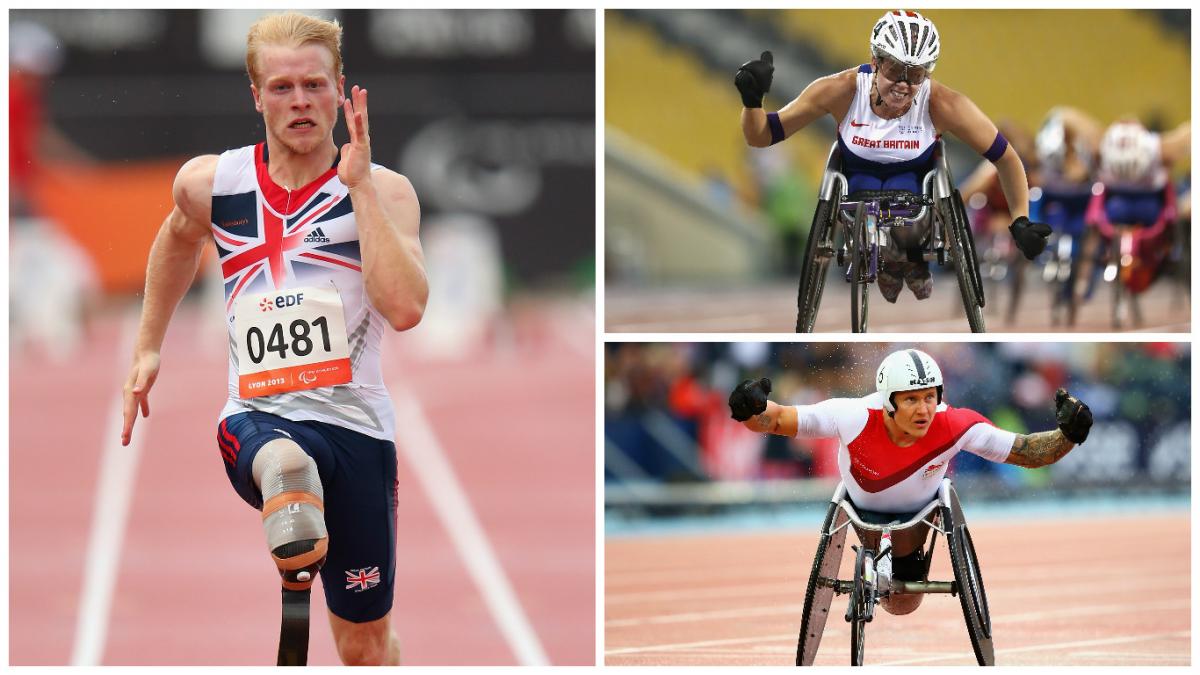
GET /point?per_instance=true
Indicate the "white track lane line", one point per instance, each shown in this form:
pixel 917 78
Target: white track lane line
pixel 110 513
pixel 1051 646
pixel 415 438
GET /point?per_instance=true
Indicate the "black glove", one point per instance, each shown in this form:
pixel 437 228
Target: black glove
pixel 1074 417
pixel 753 80
pixel 1030 237
pixel 749 399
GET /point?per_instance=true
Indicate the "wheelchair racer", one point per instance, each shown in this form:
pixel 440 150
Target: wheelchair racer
pixel 890 114
pixel 1067 147
pixel 1137 193
pixel 896 445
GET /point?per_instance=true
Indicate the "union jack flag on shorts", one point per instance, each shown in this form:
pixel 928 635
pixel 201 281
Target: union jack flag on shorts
pixel 362 579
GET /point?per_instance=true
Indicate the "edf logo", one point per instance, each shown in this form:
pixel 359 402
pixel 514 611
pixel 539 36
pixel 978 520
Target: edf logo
pixel 281 301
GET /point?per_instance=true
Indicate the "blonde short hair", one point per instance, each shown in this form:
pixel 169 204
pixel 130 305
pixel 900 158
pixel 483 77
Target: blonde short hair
pixel 292 30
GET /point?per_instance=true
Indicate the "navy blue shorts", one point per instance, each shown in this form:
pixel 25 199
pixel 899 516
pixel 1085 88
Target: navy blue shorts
pixel 907 181
pixel 358 475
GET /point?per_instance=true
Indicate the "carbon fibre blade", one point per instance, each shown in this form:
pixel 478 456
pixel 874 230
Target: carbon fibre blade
pixel 293 631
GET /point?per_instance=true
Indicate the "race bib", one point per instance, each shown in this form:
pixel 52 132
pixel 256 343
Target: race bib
pixel 290 340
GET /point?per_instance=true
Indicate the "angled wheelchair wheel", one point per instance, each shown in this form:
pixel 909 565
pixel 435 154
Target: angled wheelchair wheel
pixel 821 584
pixel 969 249
pixel 817 253
pixel 859 261
pixel 969 579
pixel 970 284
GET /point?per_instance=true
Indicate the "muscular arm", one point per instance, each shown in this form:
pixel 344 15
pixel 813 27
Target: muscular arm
pixel 174 258
pixel 957 114
pixel 1080 125
pixel 824 96
pixel 175 255
pixel 389 219
pixel 776 419
pixel 1041 449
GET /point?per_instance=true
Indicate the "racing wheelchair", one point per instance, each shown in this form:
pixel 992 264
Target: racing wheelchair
pixel 871 580
pixel 855 228
pixel 1132 255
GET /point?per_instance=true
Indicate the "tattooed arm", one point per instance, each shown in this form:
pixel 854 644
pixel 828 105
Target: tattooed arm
pixel 1041 449
pixel 776 419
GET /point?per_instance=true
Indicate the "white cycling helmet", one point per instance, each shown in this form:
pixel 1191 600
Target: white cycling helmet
pixel 907 370
pixel 1128 152
pixel 908 38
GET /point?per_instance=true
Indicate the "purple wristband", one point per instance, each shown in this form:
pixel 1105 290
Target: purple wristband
pixel 776 127
pixel 997 150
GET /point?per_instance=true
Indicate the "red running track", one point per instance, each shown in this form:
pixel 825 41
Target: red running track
pixel 195 586
pixel 1105 591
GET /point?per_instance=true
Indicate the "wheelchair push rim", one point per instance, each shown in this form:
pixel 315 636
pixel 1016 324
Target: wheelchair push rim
pixel 969 578
pixel 860 263
pixel 970 284
pixel 815 265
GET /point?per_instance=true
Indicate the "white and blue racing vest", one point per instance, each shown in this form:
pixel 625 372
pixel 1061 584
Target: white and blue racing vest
pixel 275 243
pixel 877 146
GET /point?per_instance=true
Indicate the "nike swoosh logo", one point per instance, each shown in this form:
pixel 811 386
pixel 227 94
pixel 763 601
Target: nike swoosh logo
pixel 856 124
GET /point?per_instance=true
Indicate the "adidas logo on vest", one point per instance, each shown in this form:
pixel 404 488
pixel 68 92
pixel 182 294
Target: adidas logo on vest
pixel 316 237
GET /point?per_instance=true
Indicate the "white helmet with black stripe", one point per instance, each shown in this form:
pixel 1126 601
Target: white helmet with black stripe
pixel 907 370
pixel 907 37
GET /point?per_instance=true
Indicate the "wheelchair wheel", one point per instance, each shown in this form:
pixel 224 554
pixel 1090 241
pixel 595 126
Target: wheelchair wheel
pixel 969 249
pixel 970 284
pixel 969 578
pixel 817 253
pixel 860 253
pixel 821 582
pixel 860 606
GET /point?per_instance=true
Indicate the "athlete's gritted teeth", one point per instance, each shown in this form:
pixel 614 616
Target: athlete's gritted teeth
pixel 302 123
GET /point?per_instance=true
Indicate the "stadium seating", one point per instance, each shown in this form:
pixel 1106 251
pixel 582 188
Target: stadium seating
pixel 1019 64
pixel 668 100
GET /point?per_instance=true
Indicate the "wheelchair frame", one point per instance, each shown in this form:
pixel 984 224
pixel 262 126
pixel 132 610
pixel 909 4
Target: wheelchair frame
pixel 943 515
pixel 857 240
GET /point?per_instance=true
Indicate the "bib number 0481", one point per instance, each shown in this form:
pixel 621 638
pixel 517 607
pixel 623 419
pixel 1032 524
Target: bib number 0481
pixel 291 340
pixel 301 344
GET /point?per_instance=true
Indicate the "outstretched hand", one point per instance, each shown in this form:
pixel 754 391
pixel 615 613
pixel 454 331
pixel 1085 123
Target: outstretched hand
pixel 1073 416
pixel 137 391
pixel 355 164
pixel 749 399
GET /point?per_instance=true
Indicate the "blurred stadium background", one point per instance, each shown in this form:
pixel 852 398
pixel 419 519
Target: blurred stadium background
pixel 691 210
pixel 491 114
pixel 672 451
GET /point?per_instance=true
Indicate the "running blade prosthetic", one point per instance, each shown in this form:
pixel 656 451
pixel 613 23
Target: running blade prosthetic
pixel 293 632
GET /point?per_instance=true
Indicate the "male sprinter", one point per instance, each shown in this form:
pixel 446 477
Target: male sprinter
pixel 897 443
pixel 320 254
